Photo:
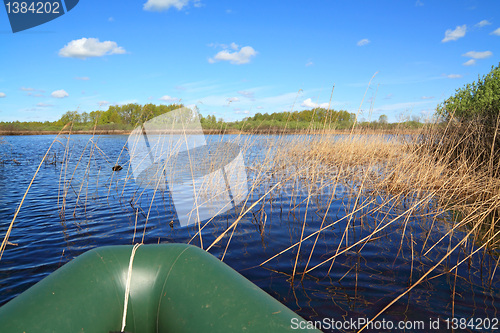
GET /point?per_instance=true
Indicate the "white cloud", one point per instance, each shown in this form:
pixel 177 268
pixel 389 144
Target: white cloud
pixel 90 47
pixel 483 23
pixel 83 78
pixel 33 92
pixel 470 62
pixel 454 76
pixel 496 32
pixel 309 63
pixel 363 42
pixel 167 98
pixel 2 95
pixel 232 99
pixel 478 55
pixel 111 19
pixel 427 97
pixel 59 94
pixel 44 105
pixel 30 91
pixel 260 107
pixel 161 5
pixel 248 94
pixel 241 112
pixel 450 35
pixel 419 3
pixel 232 46
pixel 308 103
pixel 240 57
pixel 101 103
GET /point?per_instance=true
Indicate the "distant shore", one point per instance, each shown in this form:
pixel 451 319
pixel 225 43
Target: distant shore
pixel 219 132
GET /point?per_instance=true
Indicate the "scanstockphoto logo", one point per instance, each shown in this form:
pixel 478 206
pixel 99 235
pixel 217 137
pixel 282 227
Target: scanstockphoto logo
pixel 28 14
pixel 170 152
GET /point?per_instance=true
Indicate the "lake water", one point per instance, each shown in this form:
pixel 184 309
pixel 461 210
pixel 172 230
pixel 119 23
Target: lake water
pixel 102 207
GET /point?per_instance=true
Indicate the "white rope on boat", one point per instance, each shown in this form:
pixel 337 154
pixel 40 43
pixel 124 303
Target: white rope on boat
pixel 127 286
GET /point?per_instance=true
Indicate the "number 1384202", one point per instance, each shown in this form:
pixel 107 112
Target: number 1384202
pixel 39 7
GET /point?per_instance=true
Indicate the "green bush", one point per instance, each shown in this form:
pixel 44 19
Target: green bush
pixel 471 134
pixel 476 100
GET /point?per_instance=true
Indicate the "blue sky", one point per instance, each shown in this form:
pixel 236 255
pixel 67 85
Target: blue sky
pixel 235 58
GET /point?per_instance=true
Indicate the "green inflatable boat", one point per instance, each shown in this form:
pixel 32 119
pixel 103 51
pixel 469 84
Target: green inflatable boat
pixel 172 288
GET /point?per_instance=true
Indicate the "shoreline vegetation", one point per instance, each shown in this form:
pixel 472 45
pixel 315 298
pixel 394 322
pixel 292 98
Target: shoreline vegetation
pixel 123 119
pixel 224 131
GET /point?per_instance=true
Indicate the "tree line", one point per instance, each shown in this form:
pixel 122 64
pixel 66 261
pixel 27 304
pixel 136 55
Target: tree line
pixel 124 116
pixel 128 116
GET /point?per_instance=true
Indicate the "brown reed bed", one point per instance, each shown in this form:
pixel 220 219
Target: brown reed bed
pixel 410 175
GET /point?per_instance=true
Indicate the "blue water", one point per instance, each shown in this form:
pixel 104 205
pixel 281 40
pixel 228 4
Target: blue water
pixel 101 207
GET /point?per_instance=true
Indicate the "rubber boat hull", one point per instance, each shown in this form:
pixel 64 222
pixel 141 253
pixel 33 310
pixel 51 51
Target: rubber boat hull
pixel 174 288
